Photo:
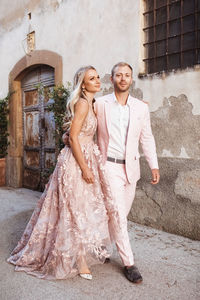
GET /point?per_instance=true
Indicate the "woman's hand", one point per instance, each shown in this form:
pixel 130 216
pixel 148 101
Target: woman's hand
pixel 65 139
pixel 88 175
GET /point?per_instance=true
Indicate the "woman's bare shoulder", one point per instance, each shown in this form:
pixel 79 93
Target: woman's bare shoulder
pixel 82 105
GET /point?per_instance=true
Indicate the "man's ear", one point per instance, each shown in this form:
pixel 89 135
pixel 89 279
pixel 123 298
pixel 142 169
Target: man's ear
pixel 111 78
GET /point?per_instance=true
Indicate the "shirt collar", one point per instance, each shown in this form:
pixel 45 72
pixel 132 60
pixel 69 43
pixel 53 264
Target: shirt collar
pixel 115 99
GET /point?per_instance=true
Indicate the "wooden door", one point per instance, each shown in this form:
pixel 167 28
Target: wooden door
pixel 38 128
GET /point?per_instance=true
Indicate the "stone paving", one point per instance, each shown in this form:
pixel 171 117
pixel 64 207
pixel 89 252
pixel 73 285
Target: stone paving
pixel 170 264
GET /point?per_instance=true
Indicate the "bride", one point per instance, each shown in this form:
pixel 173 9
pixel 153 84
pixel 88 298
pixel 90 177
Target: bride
pixel 68 230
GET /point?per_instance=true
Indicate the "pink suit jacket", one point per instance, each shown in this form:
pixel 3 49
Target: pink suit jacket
pixel 139 130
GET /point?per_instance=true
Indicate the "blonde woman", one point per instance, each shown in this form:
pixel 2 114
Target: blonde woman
pixel 68 231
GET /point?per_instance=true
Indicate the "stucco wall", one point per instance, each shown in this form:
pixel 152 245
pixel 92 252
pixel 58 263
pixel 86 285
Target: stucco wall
pixel 89 32
pixel 102 33
pixel 82 32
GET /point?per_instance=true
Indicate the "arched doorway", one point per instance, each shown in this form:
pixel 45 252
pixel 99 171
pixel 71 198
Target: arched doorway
pixel 29 155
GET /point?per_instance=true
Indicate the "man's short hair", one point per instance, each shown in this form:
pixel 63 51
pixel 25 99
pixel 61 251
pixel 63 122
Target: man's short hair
pixel 120 64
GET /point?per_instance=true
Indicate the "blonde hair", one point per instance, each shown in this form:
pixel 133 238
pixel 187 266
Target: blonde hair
pixel 77 93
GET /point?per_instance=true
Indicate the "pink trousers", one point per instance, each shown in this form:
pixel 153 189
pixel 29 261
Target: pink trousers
pixel 123 193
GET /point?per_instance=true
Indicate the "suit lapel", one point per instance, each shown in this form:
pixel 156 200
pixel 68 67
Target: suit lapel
pixel 131 119
pixel 108 108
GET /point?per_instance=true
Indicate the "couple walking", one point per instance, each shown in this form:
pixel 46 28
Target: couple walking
pixel 88 197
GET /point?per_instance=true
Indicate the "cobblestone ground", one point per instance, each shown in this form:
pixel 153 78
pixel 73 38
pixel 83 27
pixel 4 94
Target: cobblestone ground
pixel 170 264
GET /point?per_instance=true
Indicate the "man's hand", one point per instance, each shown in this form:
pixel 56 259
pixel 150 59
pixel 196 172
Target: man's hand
pixel 155 176
pixel 65 139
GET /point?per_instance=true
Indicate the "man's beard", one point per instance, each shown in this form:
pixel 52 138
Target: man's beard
pixel 122 89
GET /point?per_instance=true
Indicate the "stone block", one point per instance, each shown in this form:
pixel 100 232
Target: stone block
pixel 173 205
pixel 187 185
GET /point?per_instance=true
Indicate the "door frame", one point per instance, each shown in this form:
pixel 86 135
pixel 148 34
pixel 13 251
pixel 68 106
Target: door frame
pixel 14 165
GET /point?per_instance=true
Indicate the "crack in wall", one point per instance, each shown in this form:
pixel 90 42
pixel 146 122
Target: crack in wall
pixel 152 199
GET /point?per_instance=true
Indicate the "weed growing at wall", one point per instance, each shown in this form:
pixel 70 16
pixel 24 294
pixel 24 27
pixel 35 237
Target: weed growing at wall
pixel 4 126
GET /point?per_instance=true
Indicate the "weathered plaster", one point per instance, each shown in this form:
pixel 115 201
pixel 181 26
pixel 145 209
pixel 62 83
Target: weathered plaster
pixel 12 17
pixel 68 32
pixel 166 153
pixel 187 185
pixel 176 129
pixel 173 83
pixel 174 204
pixel 89 36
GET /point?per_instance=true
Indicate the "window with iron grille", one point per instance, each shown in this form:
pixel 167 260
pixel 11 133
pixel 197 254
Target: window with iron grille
pixel 172 34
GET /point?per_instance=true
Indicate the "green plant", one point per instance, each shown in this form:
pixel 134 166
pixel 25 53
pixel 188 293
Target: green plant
pixel 4 126
pixel 60 95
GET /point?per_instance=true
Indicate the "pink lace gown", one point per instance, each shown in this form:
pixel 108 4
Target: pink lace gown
pixel 71 218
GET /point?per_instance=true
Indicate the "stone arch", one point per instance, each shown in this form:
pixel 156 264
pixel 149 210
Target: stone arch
pixel 22 67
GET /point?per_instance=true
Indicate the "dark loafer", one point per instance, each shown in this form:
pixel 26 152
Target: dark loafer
pixel 132 274
pixel 107 260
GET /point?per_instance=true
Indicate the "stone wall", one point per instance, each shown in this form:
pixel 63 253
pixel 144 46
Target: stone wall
pixel 174 204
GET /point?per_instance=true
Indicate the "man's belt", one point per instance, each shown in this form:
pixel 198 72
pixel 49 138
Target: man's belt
pixel 116 160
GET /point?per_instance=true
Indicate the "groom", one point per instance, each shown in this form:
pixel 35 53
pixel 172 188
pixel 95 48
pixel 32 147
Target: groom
pixel 123 122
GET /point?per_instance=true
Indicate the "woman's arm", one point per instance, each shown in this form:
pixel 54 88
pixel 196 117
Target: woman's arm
pixel 81 111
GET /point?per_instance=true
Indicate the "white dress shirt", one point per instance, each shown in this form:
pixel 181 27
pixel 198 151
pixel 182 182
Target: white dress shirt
pixel 118 129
